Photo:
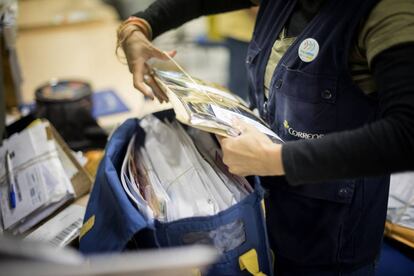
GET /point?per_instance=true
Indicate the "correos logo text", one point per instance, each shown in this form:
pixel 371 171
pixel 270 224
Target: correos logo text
pixel 300 134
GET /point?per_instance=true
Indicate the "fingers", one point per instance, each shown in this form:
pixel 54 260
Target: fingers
pixel 138 51
pixel 138 72
pixel 157 53
pixel 145 83
pixel 150 80
pixel 171 53
pixel 222 142
pixel 228 158
pixel 159 94
pixel 242 126
pixel 220 139
pixel 225 144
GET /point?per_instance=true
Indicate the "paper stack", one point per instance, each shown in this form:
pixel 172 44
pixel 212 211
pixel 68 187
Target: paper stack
pixel 41 178
pixel 171 178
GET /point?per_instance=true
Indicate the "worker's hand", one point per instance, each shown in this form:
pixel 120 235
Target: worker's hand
pixel 138 50
pixel 251 153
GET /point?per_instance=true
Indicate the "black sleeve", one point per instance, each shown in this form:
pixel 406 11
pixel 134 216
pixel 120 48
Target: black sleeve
pixel 382 147
pixel 164 15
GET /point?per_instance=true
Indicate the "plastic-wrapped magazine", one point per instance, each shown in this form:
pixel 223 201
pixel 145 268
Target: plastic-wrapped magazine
pixel 208 106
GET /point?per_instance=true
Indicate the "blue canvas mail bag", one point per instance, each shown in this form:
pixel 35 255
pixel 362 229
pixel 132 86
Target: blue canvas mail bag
pixel 113 223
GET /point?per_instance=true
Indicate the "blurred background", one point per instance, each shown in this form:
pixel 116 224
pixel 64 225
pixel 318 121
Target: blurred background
pixel 75 39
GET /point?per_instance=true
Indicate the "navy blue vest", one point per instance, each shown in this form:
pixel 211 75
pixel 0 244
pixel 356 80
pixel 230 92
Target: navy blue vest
pixel 335 225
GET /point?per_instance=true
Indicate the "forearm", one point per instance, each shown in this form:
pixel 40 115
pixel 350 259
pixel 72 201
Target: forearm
pixel 164 15
pixel 382 147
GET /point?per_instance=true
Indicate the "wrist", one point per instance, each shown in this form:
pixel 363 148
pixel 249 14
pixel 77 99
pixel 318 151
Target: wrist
pixel 134 24
pixel 131 30
pixel 132 33
pixel 275 157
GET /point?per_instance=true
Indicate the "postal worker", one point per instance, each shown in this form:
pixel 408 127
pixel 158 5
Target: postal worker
pixel 335 80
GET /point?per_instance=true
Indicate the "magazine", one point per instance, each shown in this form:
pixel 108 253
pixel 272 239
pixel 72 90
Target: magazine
pixel 208 106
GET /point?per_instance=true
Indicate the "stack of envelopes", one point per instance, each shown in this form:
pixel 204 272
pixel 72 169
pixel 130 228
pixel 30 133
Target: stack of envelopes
pixel 178 174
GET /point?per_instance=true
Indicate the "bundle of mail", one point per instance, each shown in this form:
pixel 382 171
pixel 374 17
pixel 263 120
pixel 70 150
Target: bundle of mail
pixel 178 174
pixel 208 106
pixel 35 180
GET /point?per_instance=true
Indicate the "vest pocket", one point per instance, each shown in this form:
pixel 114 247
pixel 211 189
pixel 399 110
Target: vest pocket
pixel 307 222
pixel 339 191
pixel 303 104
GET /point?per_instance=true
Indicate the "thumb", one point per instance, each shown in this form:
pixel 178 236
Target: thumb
pixel 171 53
pixel 157 53
pixel 220 138
pixel 167 55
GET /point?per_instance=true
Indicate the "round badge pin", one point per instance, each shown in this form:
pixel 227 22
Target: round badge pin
pixel 308 50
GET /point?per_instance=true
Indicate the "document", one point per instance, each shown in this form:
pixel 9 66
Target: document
pixel 208 106
pixel 39 215
pixel 61 229
pixel 228 116
pixel 40 179
pixel 211 152
pixel 31 195
pixel 168 178
pixel 401 199
pixel 177 172
pixel 131 188
pixel 161 196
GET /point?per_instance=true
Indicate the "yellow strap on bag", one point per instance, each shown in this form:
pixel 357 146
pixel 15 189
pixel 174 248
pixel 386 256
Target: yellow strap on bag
pixel 264 208
pixel 250 262
pixel 87 226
